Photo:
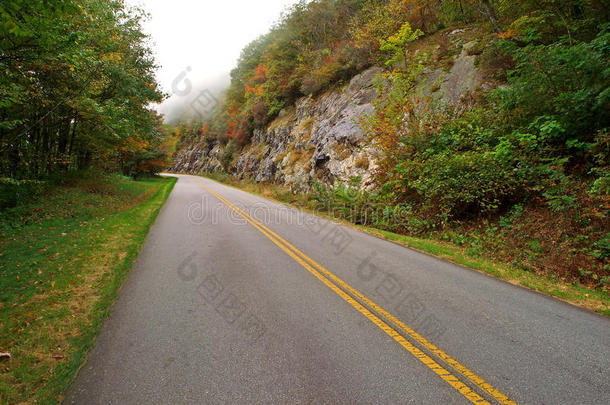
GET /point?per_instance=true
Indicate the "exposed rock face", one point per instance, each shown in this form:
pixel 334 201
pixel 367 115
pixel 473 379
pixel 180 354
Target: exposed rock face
pixel 321 139
pixel 318 140
pixel 462 78
pixel 198 158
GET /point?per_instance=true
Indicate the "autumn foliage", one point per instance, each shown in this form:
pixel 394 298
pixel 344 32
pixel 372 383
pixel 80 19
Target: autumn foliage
pixel 522 168
pixel 320 44
pixel 77 81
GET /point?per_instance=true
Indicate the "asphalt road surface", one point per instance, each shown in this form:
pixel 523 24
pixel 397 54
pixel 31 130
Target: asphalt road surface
pixel 238 299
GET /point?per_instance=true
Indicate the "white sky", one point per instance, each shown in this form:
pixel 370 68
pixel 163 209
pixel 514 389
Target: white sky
pixel 205 36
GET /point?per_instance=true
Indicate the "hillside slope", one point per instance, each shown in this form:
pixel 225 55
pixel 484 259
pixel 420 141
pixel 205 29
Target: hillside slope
pixel 321 139
pixel 481 123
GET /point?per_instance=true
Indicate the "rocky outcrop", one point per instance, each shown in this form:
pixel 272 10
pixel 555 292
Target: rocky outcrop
pixel 316 140
pixel 321 139
pixel 198 158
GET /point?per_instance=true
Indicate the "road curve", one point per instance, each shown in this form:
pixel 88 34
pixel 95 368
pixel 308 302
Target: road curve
pixel 238 299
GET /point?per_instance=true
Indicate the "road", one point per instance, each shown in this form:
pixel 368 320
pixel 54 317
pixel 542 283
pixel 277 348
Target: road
pixel 238 299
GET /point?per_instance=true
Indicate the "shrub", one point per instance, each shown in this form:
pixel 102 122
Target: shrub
pixel 259 113
pixel 228 155
pixel 362 163
pixel 460 183
pixel 560 93
pixel 14 192
pixel 602 246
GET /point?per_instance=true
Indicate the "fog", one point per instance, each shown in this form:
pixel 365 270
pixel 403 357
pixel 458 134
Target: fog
pixel 197 43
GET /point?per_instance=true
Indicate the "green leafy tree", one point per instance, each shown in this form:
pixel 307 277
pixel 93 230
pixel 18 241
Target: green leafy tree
pixel 396 45
pixel 79 78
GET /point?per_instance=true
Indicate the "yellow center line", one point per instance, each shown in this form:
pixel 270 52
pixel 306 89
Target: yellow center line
pixel 308 262
pixel 463 370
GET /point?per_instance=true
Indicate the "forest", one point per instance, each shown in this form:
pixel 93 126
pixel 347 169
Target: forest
pixel 319 44
pixel 78 79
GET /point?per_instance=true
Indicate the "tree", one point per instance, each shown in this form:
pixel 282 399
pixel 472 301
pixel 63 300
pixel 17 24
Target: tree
pixel 396 45
pixel 77 83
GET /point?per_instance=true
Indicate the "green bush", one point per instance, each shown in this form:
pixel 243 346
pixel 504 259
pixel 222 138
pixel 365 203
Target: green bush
pixel 602 247
pixel 15 192
pixel 460 183
pixel 560 94
pixel 228 155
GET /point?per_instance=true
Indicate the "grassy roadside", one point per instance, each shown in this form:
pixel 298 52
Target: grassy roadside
pixel 576 294
pixel 63 259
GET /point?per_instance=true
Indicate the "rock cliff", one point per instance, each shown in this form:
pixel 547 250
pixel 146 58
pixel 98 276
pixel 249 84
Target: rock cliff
pixel 320 139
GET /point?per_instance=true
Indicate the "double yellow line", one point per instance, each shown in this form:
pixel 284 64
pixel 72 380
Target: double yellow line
pixel 342 289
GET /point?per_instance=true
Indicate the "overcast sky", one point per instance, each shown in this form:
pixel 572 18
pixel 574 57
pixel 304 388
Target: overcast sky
pixel 202 39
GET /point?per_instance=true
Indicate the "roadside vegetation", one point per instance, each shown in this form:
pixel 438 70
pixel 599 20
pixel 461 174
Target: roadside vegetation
pixel 76 85
pixel 442 245
pixel 63 257
pixel 516 171
pixel 76 130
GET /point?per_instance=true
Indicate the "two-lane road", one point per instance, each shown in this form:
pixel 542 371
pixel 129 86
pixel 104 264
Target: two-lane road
pixel 238 299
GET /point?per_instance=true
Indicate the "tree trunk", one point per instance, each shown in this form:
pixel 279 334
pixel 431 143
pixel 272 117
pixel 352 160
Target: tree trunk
pixel 491 15
pixel 73 136
pixel 44 150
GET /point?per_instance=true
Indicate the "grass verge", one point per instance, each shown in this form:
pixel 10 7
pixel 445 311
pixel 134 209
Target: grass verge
pixel 573 293
pixel 63 259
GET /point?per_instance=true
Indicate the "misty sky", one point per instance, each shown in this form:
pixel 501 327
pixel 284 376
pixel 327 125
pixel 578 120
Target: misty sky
pixel 205 37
